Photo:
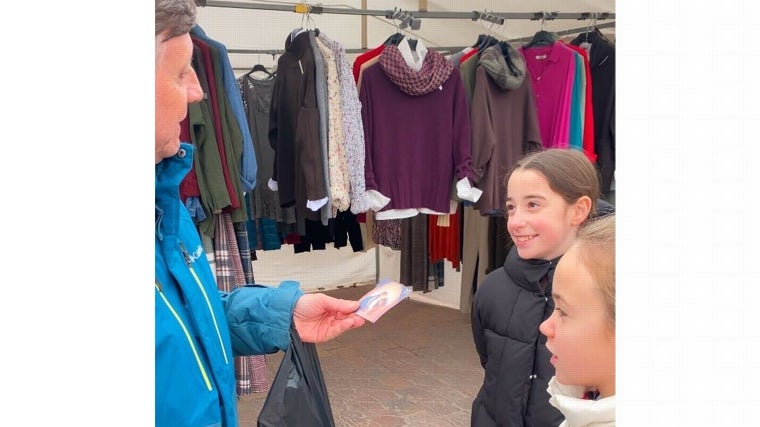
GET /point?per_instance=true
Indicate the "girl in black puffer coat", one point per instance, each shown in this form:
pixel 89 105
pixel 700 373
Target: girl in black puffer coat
pixel 550 195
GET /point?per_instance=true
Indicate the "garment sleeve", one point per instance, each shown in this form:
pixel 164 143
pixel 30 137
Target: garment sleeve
pixel 461 130
pixel 588 127
pixel 531 130
pixel 274 107
pixel 366 106
pixel 478 333
pixel 259 317
pixel 483 137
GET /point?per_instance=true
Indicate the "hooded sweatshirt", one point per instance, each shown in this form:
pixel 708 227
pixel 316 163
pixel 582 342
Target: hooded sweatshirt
pixel 504 122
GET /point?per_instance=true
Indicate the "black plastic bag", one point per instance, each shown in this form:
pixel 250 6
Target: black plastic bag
pixel 298 396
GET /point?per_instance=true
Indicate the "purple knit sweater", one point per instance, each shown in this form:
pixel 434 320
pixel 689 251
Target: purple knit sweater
pixel 415 145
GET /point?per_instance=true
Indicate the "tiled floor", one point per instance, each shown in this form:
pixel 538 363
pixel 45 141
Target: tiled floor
pixel 416 366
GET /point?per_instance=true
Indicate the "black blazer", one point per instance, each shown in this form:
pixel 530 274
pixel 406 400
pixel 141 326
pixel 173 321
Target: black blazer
pixel 602 64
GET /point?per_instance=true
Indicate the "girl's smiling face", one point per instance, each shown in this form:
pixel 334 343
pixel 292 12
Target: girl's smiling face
pixel 539 220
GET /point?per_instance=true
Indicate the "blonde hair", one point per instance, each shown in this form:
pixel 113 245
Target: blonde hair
pixel 596 250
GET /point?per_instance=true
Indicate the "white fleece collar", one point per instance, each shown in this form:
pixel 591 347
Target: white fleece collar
pixel 580 412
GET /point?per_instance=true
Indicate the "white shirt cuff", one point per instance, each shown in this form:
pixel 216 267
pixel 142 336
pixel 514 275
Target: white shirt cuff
pixel 272 184
pixel 315 205
pixel 465 191
pixel 376 200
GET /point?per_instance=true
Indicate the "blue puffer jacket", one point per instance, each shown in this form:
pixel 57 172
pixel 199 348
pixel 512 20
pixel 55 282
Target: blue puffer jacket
pixel 198 328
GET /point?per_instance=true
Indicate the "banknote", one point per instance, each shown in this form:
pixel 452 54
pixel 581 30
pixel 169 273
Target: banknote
pixel 384 296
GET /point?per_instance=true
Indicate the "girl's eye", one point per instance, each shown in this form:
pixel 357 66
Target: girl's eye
pixel 561 312
pixel 510 208
pixel 532 204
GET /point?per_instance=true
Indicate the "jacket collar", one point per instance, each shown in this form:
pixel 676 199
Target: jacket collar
pixel 169 173
pixel 600 49
pixel 580 412
pixel 527 273
pixel 172 170
pixel 298 44
pixel 552 52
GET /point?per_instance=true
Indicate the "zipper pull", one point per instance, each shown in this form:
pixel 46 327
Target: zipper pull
pixel 185 254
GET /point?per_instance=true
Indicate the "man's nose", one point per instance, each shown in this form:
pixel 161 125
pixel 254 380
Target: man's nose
pixel 194 90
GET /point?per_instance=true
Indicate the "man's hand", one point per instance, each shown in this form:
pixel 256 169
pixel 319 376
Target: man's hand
pixel 319 318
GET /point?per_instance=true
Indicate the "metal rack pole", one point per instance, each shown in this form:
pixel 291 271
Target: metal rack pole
pixel 416 14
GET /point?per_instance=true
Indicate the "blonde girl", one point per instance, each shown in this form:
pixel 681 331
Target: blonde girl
pixel 581 331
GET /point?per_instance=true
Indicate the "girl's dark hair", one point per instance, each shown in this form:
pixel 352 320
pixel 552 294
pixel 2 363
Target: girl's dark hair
pixel 568 172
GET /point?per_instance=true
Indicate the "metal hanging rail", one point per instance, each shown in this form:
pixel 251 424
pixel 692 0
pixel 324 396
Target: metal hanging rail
pixel 563 33
pixel 349 51
pixel 315 9
pixel 413 17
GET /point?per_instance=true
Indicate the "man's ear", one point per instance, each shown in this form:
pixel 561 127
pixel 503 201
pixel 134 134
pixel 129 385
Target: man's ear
pixel 581 209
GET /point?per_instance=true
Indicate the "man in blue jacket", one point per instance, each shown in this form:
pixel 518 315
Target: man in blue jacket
pixel 198 328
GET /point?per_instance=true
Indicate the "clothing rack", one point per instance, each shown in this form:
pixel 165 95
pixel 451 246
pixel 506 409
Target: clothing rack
pixel 408 18
pixel 473 15
pixel 560 33
pixel 411 18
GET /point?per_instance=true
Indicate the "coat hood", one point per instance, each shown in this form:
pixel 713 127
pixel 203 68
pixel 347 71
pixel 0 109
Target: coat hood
pixel 504 64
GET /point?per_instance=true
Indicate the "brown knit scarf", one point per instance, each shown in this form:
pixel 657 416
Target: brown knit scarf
pixel 435 71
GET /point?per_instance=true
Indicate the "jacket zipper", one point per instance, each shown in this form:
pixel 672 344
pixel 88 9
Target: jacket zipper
pixel 205 296
pixel 187 335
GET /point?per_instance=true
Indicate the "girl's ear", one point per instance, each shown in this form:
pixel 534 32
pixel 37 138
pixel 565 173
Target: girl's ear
pixel 581 209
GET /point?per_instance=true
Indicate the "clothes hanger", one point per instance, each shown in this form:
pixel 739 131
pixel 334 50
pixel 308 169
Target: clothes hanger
pixel 260 67
pixel 310 24
pixel 485 40
pixel 542 37
pixel 481 38
pixel 396 37
pixel 409 21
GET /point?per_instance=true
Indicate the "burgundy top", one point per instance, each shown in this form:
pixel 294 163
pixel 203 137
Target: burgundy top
pixel 415 145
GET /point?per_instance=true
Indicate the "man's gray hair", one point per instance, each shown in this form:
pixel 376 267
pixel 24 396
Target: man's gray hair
pixel 176 16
